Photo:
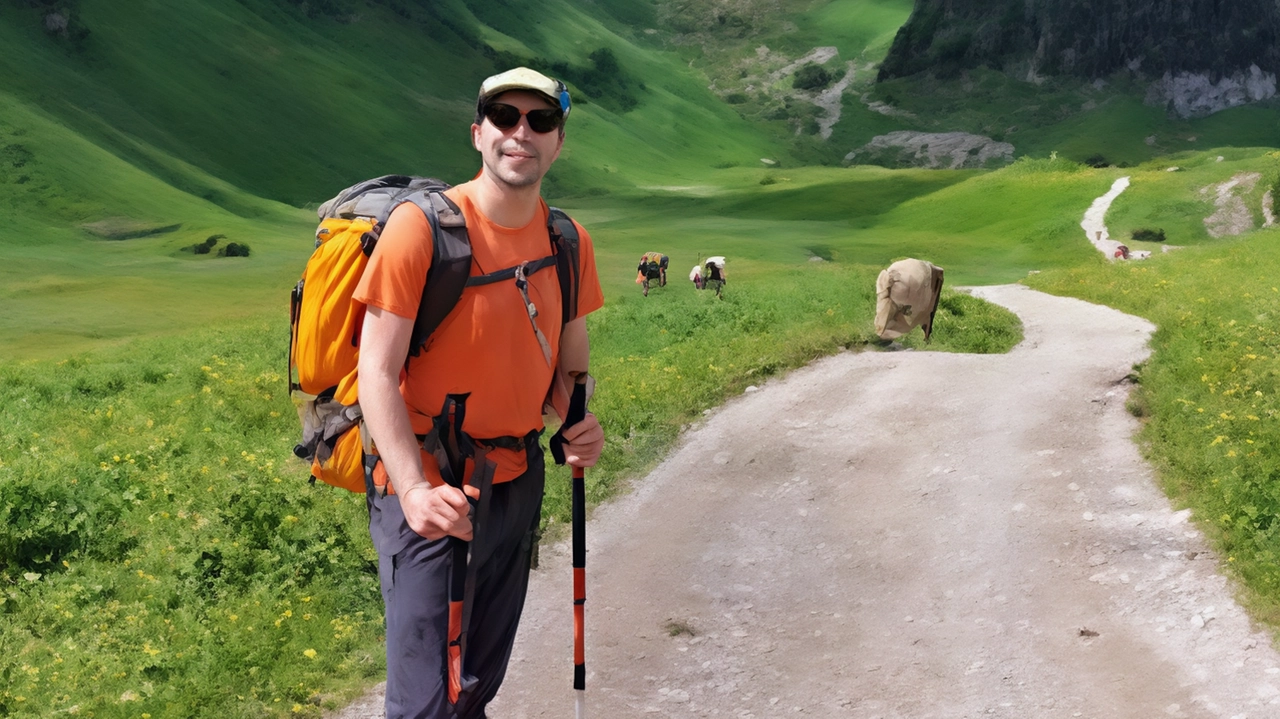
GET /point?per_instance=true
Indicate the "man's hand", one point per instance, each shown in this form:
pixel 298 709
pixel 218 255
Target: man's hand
pixel 435 512
pixel 583 442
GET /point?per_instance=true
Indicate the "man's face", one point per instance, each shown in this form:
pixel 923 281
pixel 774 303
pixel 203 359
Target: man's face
pixel 517 156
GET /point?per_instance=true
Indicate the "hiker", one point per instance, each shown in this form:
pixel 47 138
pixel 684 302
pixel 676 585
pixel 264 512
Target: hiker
pixel 653 266
pixel 695 276
pixel 907 297
pixel 487 368
pixel 715 277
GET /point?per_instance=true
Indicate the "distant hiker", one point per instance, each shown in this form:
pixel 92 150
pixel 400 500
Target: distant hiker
pixel 653 266
pixel 474 395
pixel 907 297
pixel 715 278
pixel 695 276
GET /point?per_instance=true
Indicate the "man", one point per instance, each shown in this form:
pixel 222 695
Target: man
pixel 653 266
pixel 492 348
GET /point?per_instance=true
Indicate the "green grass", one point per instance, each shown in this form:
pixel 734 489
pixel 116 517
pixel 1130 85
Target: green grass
pixel 1175 201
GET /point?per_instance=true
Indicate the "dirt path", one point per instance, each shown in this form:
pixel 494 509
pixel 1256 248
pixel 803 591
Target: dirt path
pixel 1094 223
pixel 907 535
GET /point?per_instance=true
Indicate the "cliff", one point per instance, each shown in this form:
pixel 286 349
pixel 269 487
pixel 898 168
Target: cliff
pixel 1199 55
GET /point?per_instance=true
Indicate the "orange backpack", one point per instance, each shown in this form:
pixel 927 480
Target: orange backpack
pixel 324 342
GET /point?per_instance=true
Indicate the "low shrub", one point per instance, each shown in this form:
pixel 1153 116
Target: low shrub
pixel 811 77
pixel 205 247
pixel 235 249
pixel 1145 234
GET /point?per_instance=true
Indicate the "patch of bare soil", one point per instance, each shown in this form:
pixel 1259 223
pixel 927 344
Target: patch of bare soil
pixel 1232 216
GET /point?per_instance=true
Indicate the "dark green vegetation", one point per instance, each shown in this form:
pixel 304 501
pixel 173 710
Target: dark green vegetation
pixel 1076 77
pixel 1086 39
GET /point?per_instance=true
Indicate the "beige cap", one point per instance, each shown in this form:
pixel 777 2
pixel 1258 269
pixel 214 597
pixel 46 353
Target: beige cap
pixel 522 78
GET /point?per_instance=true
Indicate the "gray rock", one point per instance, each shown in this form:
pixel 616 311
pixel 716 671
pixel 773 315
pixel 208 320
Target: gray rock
pixel 1197 95
pixel 934 150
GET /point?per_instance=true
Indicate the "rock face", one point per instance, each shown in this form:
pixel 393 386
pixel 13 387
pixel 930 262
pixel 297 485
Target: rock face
pixel 1204 55
pixel 1198 94
pixel 934 150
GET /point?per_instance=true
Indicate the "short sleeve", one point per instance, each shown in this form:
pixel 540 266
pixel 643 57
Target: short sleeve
pixel 590 296
pixel 397 271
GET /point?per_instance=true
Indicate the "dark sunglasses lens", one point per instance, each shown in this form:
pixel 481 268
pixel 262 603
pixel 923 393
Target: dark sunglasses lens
pixel 503 117
pixel 544 120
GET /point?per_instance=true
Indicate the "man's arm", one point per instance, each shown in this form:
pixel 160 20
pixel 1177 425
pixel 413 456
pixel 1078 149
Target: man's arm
pixel 430 511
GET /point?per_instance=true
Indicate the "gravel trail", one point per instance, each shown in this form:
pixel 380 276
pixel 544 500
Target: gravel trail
pixel 1094 223
pixel 906 535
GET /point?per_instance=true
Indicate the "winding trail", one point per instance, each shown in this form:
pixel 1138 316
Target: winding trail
pixel 908 534
pixel 1094 222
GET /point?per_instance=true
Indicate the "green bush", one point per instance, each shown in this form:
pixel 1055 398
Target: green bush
pixel 1145 234
pixel 811 77
pixel 235 249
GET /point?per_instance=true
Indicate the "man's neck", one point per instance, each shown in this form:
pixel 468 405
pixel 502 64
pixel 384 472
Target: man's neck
pixel 504 204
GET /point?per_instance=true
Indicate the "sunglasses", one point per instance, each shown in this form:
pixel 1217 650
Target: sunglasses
pixel 505 117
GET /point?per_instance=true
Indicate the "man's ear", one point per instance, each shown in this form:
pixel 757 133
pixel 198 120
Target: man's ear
pixel 475 136
pixel 559 146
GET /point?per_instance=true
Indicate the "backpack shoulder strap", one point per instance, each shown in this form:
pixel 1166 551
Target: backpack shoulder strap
pixel 450 264
pixel 564 245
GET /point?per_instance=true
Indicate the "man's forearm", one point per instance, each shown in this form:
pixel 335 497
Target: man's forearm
pixel 387 418
pixel 575 349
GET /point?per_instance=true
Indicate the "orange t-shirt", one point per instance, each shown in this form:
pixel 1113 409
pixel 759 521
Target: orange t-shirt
pixel 486 346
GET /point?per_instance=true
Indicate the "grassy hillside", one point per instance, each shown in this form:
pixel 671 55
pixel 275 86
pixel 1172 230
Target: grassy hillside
pixel 203 118
pixel 292 107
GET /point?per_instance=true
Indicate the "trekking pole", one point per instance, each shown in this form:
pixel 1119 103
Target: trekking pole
pixel 576 413
pixel 579 591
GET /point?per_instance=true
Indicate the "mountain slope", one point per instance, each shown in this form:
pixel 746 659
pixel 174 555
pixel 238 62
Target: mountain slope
pixel 1088 39
pixel 293 107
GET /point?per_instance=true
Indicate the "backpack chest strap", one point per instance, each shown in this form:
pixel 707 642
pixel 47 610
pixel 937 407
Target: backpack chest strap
pixel 510 272
pixel 520 274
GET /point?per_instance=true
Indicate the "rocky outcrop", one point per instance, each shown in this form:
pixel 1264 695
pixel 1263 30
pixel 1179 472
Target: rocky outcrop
pixel 934 150
pixel 1198 94
pixel 1202 54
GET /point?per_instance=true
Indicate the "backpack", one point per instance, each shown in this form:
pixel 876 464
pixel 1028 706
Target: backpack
pixel 324 341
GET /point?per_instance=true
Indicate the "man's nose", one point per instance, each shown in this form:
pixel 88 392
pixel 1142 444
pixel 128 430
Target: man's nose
pixel 522 128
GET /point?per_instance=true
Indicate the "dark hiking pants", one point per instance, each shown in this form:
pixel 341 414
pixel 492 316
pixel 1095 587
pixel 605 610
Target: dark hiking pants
pixel 415 589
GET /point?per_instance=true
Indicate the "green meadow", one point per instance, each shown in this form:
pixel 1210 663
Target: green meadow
pixel 163 553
